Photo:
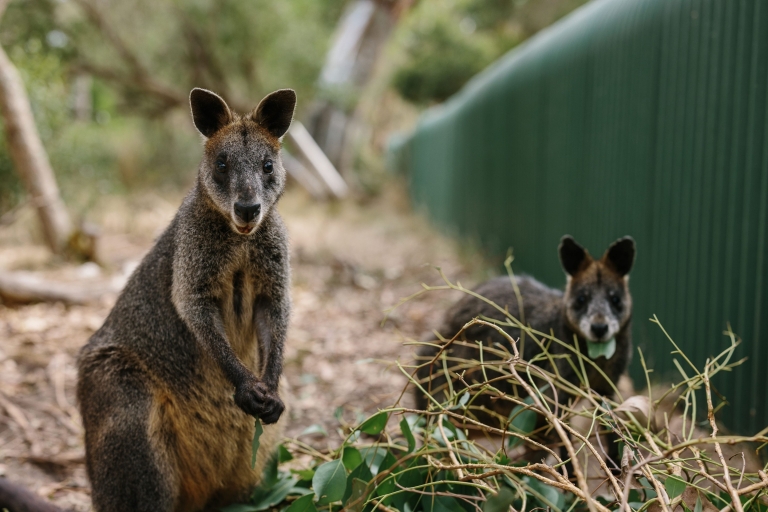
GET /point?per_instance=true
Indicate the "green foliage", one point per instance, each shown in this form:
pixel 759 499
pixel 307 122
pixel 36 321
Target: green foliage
pixel 329 481
pixel 429 462
pixel 675 486
pixel 441 58
pixel 446 42
pixel 375 424
pixel 256 442
pixel 522 421
pixel 131 137
pixel 25 27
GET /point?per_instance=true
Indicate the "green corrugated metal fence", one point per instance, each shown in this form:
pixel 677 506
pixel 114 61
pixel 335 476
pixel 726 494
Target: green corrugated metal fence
pixel 629 117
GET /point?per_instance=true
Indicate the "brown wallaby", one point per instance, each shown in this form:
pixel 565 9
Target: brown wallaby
pixel 595 308
pixel 192 351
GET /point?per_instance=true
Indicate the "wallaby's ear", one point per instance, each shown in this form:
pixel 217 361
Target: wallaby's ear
pixel 275 111
pixel 621 255
pixel 209 112
pixel 573 257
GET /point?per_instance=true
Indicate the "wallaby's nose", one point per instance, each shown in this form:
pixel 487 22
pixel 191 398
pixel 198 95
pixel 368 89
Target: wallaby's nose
pixel 599 330
pixel 247 212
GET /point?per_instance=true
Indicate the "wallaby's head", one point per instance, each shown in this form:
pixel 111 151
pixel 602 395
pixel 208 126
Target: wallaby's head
pixel 241 171
pixel 597 300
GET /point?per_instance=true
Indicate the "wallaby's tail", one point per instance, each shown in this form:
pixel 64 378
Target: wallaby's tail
pixel 15 498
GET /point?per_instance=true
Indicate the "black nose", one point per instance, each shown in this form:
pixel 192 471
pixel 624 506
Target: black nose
pixel 247 212
pixel 599 330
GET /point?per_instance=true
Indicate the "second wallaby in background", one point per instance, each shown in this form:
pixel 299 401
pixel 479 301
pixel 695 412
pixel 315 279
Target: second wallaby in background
pixel 192 352
pixel 596 307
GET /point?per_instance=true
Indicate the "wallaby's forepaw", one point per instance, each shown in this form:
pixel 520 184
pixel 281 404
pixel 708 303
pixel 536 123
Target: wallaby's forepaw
pixel 257 400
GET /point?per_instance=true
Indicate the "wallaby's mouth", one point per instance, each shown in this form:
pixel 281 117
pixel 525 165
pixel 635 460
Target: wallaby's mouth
pixel 245 230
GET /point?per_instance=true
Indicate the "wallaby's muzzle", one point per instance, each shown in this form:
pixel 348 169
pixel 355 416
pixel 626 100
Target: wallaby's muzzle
pixel 247 212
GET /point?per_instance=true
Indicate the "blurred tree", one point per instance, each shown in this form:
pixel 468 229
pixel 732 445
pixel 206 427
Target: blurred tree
pixel 29 156
pixel 440 60
pixel 108 80
pixel 241 50
pixel 361 32
pixel 446 42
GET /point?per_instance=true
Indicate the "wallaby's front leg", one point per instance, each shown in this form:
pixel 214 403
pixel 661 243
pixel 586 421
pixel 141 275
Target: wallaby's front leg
pixel 203 317
pixel 254 396
pixel 271 325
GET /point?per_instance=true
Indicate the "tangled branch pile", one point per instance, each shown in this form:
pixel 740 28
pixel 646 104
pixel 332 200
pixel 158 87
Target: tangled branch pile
pixel 550 453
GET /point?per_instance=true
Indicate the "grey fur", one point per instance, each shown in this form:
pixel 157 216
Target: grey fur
pixel 194 343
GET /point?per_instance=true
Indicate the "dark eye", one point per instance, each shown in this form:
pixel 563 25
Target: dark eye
pixel 221 164
pixel 268 166
pixel 616 300
pixel 581 299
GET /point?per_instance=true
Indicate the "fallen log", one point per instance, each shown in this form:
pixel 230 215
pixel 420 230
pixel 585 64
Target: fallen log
pixel 15 498
pixel 27 287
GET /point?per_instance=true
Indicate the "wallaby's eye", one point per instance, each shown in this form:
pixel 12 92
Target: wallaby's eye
pixel 616 300
pixel 268 167
pixel 581 299
pixel 221 164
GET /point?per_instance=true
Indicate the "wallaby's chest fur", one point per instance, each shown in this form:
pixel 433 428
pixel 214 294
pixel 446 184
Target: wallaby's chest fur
pixel 192 419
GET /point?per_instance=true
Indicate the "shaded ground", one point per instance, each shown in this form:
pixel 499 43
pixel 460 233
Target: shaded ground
pixel 351 261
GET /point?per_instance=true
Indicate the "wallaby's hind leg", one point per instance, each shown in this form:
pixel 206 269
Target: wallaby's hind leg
pixel 123 465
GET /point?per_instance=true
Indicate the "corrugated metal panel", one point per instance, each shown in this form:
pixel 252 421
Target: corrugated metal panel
pixel 640 117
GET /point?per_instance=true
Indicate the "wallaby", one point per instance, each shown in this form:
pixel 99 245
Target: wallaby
pixel 193 349
pixel 192 352
pixel 596 307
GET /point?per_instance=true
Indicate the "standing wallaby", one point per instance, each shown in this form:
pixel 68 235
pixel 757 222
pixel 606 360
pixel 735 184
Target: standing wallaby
pixel 596 307
pixel 192 351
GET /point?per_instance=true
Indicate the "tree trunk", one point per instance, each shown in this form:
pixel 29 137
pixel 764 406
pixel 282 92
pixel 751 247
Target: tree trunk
pixel 29 157
pixel 361 33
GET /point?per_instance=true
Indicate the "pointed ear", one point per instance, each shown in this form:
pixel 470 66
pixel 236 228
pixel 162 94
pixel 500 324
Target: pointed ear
pixel 275 112
pixel 621 255
pixel 209 112
pixel 573 257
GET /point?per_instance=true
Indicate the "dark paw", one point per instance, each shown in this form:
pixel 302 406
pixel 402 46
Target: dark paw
pixel 257 400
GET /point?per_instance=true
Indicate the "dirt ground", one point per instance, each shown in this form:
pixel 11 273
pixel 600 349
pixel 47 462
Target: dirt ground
pixel 351 261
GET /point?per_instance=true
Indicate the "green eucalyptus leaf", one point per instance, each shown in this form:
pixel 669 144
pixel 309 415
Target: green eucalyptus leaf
pixel 303 504
pixel 375 424
pixel 523 422
pixel 330 481
pixel 357 495
pixel 597 349
pixel 270 476
pixel 550 496
pixel 373 457
pixel 446 504
pixel 283 455
pixel 255 443
pixel 674 486
pixel 313 430
pixel 304 474
pixel 237 507
pixel 501 501
pixel 267 498
pixel 362 473
pixel 407 478
pixel 386 463
pixel 351 457
pixel 405 428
